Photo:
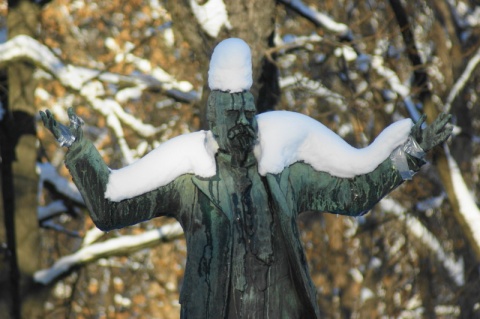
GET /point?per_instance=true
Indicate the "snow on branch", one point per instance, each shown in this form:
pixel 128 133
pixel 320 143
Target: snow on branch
pixel 119 246
pixel 26 48
pixel 211 15
pixel 315 88
pixel 92 236
pixel 469 211
pixel 48 173
pixel 292 42
pixel 87 83
pixel 396 85
pixel 51 210
pixel 454 268
pixel 318 18
pixel 462 80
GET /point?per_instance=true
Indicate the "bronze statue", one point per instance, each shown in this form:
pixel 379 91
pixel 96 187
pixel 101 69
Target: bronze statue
pixel 244 255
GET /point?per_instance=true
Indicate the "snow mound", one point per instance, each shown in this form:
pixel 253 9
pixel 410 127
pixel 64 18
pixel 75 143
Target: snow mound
pixel 231 66
pixel 284 138
pixel 287 137
pixel 189 153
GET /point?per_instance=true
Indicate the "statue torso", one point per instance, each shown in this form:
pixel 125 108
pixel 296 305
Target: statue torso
pixel 261 284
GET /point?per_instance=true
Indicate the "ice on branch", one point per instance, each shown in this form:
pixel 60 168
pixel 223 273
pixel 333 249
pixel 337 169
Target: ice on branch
pixel 284 138
pixel 231 66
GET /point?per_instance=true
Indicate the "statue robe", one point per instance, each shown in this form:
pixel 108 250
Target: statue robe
pixel 203 206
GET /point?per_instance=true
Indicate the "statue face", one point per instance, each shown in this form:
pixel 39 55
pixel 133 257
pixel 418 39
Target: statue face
pixel 234 125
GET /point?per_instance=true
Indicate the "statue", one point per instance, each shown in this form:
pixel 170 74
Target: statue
pixel 238 195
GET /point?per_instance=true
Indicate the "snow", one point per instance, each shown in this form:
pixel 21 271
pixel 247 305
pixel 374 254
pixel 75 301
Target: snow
pixel 231 66
pixel 188 153
pixel 52 209
pixel 393 80
pixel 211 16
pixel 469 211
pixel 115 246
pixel 416 228
pixel 462 80
pixel 319 17
pixel 288 137
pixel 88 83
pixel 284 138
pixel 62 185
pixel 300 81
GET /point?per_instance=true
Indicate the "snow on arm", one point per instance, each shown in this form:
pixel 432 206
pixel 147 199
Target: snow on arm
pixel 288 137
pixel 189 153
pixel 284 139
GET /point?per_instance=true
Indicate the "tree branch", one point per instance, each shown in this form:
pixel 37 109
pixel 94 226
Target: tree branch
pixel 443 159
pixel 428 240
pixel 119 246
pixel 318 18
pixel 25 48
pixel 86 83
pixel 462 80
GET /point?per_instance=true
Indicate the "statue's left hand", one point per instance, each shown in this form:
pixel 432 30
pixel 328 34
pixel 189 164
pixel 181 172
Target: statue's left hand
pixel 434 134
pixel 64 135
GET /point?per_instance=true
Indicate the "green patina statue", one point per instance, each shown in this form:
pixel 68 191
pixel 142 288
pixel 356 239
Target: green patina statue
pixel 245 258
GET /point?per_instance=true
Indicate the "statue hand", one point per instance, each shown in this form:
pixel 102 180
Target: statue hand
pixel 64 135
pixel 434 134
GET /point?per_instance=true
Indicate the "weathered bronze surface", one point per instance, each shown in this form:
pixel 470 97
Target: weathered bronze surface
pixel 245 258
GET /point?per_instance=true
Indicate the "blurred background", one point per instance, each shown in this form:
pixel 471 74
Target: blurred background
pixel 136 72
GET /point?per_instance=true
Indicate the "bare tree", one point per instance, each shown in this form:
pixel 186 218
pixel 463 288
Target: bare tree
pixel 136 70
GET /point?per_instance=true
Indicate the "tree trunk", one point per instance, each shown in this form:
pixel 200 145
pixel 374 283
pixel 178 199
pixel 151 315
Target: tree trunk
pixel 23 17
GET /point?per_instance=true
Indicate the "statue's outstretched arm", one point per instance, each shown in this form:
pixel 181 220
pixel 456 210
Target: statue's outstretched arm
pixel 91 174
pixel 320 191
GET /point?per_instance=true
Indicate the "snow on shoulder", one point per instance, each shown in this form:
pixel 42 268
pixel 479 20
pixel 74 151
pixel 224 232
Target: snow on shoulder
pixel 192 153
pixel 231 66
pixel 284 138
pixel 287 137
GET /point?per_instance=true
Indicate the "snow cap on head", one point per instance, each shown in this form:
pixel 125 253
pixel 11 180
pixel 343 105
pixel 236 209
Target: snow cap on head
pixel 231 66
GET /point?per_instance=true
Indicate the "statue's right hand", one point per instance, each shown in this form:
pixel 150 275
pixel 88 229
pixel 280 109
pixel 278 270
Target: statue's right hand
pixel 64 135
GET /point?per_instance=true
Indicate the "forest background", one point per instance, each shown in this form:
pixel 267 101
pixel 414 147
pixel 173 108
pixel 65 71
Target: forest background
pixel 136 70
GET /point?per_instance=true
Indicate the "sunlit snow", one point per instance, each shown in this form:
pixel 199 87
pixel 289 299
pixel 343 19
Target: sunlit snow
pixel 284 138
pixel 231 66
pixel 288 137
pixel 468 208
pixel 188 153
pixel 111 247
pixel 211 16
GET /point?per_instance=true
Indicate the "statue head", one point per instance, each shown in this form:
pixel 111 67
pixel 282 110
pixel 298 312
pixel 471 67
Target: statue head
pixel 231 108
pixel 231 117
